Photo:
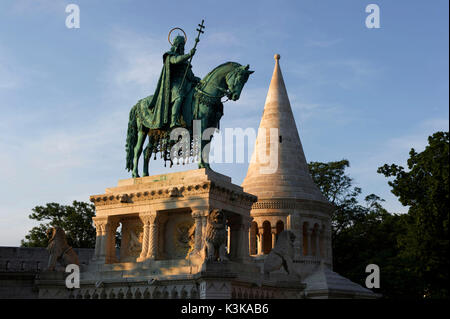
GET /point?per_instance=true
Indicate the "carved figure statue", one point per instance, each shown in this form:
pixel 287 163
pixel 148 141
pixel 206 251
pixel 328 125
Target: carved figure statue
pixel 216 236
pixel 135 243
pixel 59 249
pixel 282 254
pixel 179 100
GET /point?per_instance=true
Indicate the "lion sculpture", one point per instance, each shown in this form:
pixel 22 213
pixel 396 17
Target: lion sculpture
pixel 282 254
pixel 216 236
pixel 59 250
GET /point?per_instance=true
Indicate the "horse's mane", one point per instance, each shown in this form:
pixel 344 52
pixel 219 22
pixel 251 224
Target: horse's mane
pixel 210 74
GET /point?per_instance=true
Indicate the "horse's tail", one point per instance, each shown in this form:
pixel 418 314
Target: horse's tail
pixel 132 135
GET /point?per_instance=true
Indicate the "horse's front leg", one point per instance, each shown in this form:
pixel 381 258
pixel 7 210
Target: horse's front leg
pixel 137 152
pixel 204 146
pixel 204 155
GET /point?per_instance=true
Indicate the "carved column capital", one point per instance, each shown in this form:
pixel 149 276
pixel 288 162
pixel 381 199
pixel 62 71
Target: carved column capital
pixel 148 218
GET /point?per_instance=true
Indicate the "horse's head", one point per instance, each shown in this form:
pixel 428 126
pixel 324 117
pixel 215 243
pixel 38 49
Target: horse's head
pixel 236 80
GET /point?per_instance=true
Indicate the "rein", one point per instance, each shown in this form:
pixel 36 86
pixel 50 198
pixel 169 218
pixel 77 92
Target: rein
pixel 225 92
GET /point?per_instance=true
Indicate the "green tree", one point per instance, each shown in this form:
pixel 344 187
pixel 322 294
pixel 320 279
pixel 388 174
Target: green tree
pixel 424 188
pixel 364 234
pixel 75 219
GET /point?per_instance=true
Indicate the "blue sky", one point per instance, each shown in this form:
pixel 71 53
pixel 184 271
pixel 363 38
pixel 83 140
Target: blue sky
pixel 367 95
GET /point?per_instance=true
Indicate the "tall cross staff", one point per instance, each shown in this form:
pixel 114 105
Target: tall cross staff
pixel 197 39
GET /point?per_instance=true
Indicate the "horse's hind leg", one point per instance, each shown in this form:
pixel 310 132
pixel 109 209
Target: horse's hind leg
pixel 147 155
pixel 137 151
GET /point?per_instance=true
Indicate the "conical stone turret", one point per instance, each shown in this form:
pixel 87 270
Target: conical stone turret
pixel 287 175
pixel 288 199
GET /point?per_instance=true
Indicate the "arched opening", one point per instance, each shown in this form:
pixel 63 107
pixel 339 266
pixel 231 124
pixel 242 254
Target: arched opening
pixel 305 238
pixel 253 238
pixel 267 237
pixel 279 228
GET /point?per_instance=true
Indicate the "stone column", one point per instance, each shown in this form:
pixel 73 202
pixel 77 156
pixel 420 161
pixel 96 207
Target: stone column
pixel 198 216
pixel 261 240
pixel 146 219
pixel 105 242
pixel 329 250
pixel 153 237
pixel 321 243
pixel 204 224
pixel 317 234
pixel 274 238
pixel 239 247
pixel 258 244
pixel 99 228
pixel 309 235
pixel 244 244
pixel 110 238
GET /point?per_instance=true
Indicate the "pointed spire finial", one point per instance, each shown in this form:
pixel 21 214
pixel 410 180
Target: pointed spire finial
pixel 277 57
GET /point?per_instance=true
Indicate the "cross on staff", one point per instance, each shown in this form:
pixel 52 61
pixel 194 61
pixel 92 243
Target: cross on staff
pixel 197 40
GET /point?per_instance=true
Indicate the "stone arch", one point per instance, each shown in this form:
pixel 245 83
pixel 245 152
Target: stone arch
pixel 129 295
pixel 194 293
pixel 305 231
pixel 138 294
pixel 266 237
pixel 86 295
pixel 184 293
pixel 147 294
pixel 174 293
pixel 112 295
pixel 157 294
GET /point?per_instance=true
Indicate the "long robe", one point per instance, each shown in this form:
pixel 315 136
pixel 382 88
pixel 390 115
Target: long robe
pixel 159 103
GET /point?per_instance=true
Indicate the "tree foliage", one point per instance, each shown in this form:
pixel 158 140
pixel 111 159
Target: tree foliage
pixel 75 219
pixel 363 233
pixel 424 188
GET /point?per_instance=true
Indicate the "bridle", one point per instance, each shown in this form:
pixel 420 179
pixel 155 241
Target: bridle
pixel 225 92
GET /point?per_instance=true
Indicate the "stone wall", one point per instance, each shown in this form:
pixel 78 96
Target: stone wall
pixel 19 267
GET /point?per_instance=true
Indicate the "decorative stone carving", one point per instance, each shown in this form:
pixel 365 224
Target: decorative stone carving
pixel 59 250
pixel 216 236
pixel 282 254
pixel 182 238
pixel 135 241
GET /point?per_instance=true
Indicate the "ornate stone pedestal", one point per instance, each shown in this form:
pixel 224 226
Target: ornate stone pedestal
pixel 164 217
pixel 165 225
